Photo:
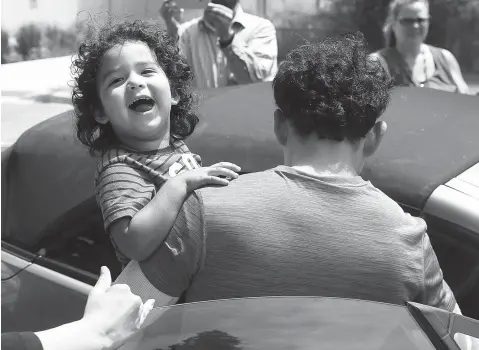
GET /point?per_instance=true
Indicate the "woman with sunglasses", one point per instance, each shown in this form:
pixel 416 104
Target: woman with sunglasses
pixel 408 59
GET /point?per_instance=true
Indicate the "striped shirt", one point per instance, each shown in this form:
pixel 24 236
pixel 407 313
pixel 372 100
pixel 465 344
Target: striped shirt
pixel 254 48
pixel 126 180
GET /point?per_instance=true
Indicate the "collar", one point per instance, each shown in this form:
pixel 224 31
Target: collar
pixel 239 18
pixel 335 180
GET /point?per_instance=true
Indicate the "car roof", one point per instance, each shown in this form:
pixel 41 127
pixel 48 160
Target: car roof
pixel 431 138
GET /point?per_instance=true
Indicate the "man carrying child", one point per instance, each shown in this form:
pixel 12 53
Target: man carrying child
pixel 312 226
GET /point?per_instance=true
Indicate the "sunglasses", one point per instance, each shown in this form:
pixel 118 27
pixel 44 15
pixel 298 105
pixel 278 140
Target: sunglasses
pixel 412 21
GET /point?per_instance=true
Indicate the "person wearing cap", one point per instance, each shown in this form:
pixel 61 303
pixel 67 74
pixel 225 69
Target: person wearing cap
pixel 225 46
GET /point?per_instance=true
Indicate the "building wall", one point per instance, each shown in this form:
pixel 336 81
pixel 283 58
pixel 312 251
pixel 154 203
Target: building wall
pixel 15 13
pixel 64 12
pixel 149 9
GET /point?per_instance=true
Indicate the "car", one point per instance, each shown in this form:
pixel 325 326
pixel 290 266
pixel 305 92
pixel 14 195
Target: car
pixel 53 241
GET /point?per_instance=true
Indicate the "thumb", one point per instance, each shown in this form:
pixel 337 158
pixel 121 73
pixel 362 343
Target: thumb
pixel 145 311
pixel 104 281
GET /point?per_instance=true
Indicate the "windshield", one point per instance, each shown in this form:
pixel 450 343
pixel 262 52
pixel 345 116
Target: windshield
pixel 282 323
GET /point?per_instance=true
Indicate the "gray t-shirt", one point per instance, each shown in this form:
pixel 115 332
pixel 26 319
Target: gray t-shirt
pixel 285 233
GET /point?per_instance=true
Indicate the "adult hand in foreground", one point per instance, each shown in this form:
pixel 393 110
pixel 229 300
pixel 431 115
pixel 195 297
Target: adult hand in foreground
pixel 113 314
pixel 115 310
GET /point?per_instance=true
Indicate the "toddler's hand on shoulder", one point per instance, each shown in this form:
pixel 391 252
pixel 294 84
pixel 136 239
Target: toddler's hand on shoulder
pixel 219 174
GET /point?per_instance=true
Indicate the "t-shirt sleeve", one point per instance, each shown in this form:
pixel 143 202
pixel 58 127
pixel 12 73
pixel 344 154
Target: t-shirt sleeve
pixel 122 191
pixel 436 291
pixel 21 341
pixel 173 265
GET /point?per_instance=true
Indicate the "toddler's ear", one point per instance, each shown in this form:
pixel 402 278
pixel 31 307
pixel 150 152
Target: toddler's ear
pixel 100 117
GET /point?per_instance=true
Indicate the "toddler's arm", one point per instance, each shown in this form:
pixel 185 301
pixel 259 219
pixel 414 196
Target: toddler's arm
pixel 139 236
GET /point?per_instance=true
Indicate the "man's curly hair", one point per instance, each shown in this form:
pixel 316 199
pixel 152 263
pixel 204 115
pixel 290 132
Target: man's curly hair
pixel 85 66
pixel 332 88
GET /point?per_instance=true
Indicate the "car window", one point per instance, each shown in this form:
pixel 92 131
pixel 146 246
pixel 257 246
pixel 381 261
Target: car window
pixel 74 237
pixel 78 238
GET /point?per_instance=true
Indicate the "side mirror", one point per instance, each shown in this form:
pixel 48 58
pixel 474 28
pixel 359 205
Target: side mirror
pixel 441 325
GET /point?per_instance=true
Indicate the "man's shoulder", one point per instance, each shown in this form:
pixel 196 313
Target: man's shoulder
pixel 392 213
pixel 253 179
pixel 260 20
pixel 255 17
pixel 189 27
pixel 250 20
pixel 244 185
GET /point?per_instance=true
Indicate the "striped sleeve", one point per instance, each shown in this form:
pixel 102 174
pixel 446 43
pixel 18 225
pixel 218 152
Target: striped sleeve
pixel 172 267
pixel 122 191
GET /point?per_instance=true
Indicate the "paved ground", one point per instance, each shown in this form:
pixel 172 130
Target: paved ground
pixel 18 117
pixel 36 90
pixel 32 92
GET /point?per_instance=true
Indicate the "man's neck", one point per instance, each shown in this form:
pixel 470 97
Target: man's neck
pixel 323 157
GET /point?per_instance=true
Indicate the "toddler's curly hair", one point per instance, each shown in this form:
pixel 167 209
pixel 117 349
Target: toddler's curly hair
pixel 85 66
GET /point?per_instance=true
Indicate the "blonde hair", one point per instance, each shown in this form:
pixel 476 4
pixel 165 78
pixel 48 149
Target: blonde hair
pixel 394 8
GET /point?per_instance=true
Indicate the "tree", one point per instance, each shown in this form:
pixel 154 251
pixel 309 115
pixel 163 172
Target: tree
pixel 60 41
pixel 455 26
pixel 5 45
pixel 28 37
pixel 366 16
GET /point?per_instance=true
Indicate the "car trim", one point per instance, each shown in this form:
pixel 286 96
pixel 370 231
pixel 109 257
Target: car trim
pixel 464 187
pixel 17 251
pixel 46 273
pixel 412 210
pixel 53 265
pixel 454 206
pixel 467 182
pixel 426 327
pixel 471 175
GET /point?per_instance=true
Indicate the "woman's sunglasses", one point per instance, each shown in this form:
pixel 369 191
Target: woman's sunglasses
pixel 412 21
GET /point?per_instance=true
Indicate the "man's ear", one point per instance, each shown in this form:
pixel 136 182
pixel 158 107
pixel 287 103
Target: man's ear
pixel 175 98
pixel 280 127
pixel 100 117
pixel 374 138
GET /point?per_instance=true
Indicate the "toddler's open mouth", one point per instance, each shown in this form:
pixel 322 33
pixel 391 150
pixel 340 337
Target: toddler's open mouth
pixel 143 104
